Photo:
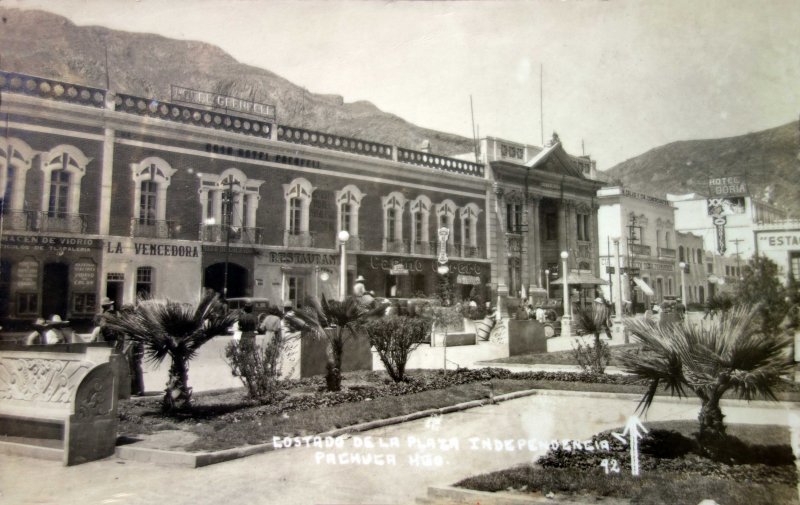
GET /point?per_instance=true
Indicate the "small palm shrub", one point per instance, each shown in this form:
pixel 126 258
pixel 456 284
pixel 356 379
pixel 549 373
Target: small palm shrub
pixel 730 353
pixel 178 330
pixel 592 358
pixel 334 322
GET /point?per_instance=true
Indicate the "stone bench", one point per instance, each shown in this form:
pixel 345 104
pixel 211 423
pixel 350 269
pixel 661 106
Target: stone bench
pixel 58 404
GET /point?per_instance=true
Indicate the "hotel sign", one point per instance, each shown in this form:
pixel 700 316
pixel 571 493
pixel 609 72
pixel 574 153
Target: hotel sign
pixel 217 101
pixel 719 187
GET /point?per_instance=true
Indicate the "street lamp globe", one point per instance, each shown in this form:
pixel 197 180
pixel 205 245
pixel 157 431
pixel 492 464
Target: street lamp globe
pixel 343 236
pixel 682 265
pixel 324 276
pixel 564 255
pixel 443 269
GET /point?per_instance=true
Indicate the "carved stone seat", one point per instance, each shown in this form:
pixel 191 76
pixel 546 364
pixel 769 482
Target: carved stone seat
pixel 58 405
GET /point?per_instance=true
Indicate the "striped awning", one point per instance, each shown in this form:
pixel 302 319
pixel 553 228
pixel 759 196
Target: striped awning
pixel 643 286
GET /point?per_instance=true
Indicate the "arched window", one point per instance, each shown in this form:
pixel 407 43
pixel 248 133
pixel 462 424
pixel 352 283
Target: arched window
pixel 151 177
pixel 393 205
pixel 348 202
pixel 420 210
pixel 298 200
pixel 64 166
pixel 469 230
pixel 229 202
pixel 446 212
pixel 680 253
pixel 15 161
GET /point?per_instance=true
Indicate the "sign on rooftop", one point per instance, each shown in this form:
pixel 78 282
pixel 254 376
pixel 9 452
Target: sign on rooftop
pixel 720 187
pixel 217 101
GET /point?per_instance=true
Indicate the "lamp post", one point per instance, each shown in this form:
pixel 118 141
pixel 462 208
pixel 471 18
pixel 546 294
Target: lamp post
pixel 566 327
pixel 682 266
pixel 343 237
pixel 547 282
pixel 617 281
pixel 443 270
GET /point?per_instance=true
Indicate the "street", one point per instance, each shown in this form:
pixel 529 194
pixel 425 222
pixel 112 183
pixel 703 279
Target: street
pixel 303 476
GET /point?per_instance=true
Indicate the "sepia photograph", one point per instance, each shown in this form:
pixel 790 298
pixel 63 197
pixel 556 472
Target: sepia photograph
pixel 383 252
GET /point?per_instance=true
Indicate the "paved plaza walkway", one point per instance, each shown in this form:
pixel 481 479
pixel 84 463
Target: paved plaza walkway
pixel 306 475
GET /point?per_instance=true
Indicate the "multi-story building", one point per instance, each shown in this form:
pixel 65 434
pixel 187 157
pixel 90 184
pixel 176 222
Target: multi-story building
pixel 645 228
pixel 780 242
pixel 542 203
pixel 737 233
pixel 693 257
pixel 116 195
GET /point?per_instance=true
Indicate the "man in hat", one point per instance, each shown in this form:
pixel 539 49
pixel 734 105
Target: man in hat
pixel 100 332
pixel 247 325
pixel 360 292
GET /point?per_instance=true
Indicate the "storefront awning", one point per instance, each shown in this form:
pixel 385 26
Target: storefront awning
pixel 643 286
pixel 586 278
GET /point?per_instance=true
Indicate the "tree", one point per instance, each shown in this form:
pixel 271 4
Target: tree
pixel 395 338
pixel 334 322
pixel 730 353
pixel 760 288
pixel 167 328
pixel 593 321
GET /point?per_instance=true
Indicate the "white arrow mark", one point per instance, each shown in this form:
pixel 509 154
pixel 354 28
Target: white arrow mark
pixel 632 428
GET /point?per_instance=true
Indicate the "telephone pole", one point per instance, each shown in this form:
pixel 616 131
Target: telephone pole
pixel 228 228
pixel 736 243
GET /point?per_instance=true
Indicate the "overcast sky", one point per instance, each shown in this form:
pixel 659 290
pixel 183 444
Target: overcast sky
pixel 623 76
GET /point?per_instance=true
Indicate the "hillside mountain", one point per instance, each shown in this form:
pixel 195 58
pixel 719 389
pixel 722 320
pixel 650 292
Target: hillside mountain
pixel 48 45
pixel 769 158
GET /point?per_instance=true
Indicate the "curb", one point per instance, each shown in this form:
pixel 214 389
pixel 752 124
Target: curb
pixel 201 459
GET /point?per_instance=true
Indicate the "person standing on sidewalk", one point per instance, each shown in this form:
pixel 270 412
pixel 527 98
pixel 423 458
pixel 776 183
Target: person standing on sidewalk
pixel 247 325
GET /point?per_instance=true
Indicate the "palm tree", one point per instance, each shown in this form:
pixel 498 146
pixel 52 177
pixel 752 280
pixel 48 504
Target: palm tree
pixel 594 321
pixel 730 353
pixel 167 328
pixel 333 322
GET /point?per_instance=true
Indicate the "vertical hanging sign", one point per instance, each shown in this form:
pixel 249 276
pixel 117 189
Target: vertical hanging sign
pixel 719 223
pixel 444 233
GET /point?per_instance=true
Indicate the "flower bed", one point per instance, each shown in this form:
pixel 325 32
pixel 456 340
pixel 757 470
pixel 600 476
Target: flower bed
pixel 757 466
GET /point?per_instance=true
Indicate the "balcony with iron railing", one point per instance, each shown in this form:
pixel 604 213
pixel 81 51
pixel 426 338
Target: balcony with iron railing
pixel 395 246
pixel 294 238
pixel 423 247
pixel 639 249
pixel 354 244
pixel 232 234
pixel 20 220
pixel 666 252
pixel 152 228
pixel 470 251
pixel 31 220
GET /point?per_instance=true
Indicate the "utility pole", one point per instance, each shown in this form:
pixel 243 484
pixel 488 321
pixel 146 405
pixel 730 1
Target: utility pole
pixel 736 243
pixel 228 227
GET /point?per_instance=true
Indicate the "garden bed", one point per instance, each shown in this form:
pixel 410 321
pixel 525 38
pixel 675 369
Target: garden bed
pixel 756 466
pixel 229 419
